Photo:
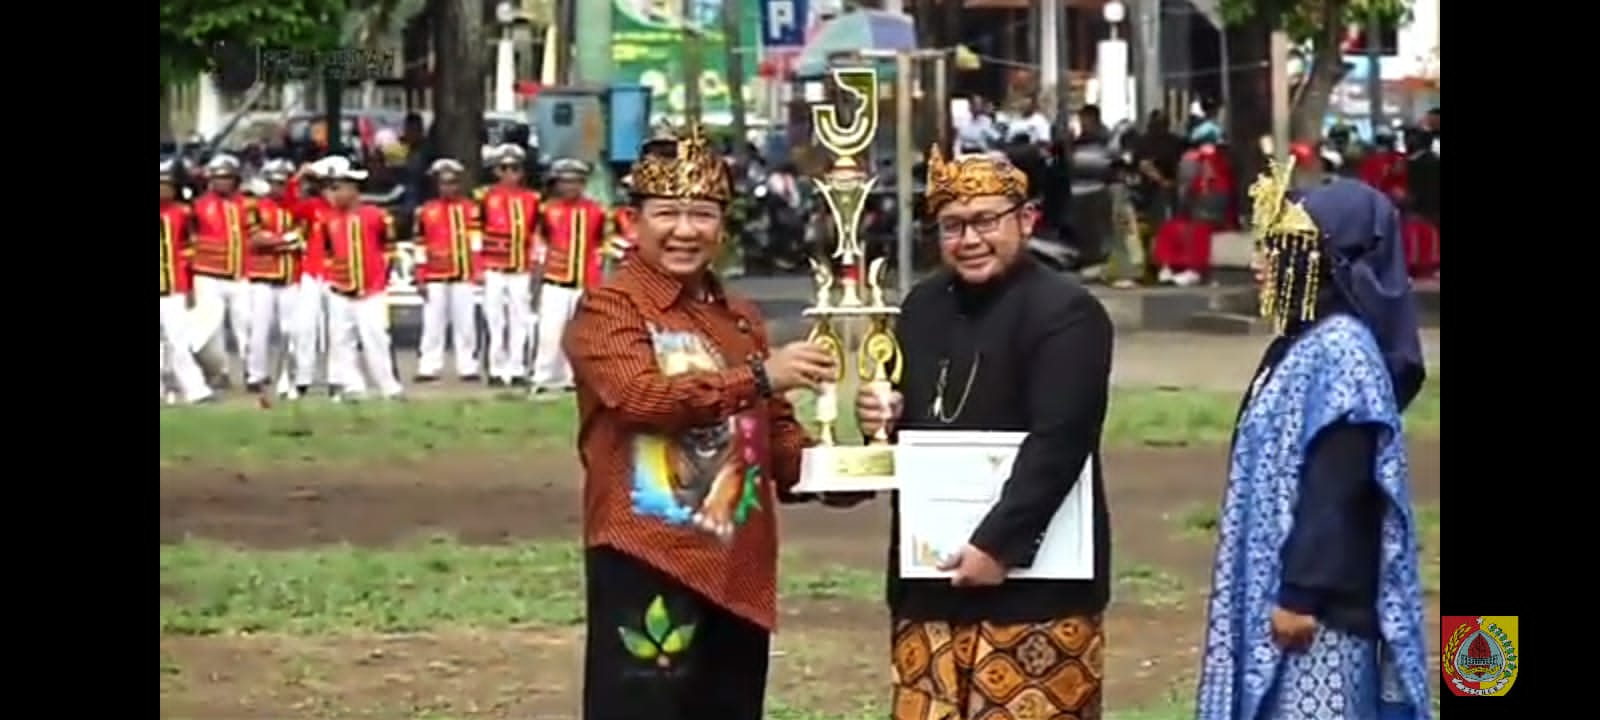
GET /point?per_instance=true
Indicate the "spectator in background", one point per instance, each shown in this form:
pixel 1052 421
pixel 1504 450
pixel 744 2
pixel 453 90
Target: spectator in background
pixel 1155 157
pixel 977 132
pixel 418 154
pixel 1030 122
pixel 1384 167
pixel 1182 247
pixel 1091 176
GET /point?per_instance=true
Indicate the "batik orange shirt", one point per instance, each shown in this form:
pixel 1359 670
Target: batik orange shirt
pixel 684 460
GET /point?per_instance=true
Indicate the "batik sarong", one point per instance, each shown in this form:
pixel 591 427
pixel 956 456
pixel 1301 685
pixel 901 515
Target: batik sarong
pixel 987 671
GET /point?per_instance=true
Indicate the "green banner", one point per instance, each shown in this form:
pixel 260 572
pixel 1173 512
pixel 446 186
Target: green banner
pixel 647 47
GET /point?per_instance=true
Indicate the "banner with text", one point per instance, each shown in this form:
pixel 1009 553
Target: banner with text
pixel 647 48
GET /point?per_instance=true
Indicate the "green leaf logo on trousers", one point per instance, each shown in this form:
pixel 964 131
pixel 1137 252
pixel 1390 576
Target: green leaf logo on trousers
pixel 660 642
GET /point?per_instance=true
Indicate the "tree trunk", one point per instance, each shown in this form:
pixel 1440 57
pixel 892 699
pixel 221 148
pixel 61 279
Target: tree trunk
pixel 458 47
pixel 1311 105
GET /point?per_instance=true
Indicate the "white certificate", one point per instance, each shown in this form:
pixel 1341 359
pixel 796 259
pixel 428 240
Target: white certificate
pixel 949 479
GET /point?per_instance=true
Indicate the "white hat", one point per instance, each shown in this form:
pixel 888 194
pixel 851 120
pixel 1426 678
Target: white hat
pixel 223 165
pixel 508 153
pixel 257 186
pixel 446 166
pixel 277 170
pixel 569 168
pixel 339 167
pixel 169 170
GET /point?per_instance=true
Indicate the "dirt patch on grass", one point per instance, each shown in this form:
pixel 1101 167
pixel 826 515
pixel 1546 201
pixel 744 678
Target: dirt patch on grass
pixel 831 653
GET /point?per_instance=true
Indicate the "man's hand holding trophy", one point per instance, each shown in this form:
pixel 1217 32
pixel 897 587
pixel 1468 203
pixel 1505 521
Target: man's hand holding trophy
pixel 843 322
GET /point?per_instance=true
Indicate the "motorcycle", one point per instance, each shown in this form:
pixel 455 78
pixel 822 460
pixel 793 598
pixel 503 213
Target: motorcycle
pixel 773 236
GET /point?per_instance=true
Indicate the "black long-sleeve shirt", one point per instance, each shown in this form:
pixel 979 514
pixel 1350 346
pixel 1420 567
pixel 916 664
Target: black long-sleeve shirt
pixel 1330 561
pixel 1037 347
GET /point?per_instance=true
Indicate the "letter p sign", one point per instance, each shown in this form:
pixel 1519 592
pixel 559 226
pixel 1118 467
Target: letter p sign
pixel 781 23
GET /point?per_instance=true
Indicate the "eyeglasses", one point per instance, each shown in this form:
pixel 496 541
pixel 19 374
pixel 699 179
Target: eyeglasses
pixel 984 224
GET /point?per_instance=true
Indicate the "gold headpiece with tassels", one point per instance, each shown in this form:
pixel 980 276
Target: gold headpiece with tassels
pixel 971 176
pixel 693 172
pixel 1290 243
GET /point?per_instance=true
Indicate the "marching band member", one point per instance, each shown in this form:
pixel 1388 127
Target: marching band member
pixel 510 245
pixel 356 236
pixel 175 287
pixel 574 228
pixel 305 192
pixel 272 265
pixel 224 218
pixel 623 219
pixel 450 228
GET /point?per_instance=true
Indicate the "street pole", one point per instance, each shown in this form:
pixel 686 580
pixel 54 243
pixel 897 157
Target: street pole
pixel 592 68
pixel 1050 57
pixel 1278 49
pixel 1374 65
pixel 693 44
pixel 903 151
pixel 733 46
pixel 1151 85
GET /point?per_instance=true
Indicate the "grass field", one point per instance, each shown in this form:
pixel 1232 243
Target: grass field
pixel 319 431
pixel 418 561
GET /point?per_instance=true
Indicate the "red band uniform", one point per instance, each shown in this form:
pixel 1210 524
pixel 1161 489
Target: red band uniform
pixel 223 226
pixel 450 229
pixel 510 250
pixel 272 265
pixel 575 229
pixel 304 193
pixel 177 361
pixel 357 237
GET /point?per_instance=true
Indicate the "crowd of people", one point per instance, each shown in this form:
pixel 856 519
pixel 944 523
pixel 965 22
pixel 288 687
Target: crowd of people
pixel 298 271
pixel 1142 205
pixel 690 446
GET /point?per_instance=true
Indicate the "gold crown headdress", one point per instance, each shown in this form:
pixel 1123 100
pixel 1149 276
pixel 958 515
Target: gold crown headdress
pixel 1290 243
pixel 694 171
pixel 971 176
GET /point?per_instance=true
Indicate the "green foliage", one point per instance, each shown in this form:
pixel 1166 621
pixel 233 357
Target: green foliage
pixel 1302 18
pixel 191 29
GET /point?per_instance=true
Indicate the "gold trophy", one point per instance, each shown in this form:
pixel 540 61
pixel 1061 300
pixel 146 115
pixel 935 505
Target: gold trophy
pixel 837 319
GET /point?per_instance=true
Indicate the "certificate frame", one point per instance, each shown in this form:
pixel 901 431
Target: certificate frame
pixel 949 480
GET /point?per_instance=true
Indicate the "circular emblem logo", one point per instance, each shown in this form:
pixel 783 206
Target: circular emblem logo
pixel 1478 654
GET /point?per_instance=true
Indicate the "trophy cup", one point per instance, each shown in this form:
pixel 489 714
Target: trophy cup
pixel 842 321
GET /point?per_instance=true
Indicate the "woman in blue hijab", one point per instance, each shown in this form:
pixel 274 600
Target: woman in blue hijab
pixel 1316 605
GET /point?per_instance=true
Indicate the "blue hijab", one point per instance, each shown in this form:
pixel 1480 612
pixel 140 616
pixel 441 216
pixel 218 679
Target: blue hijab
pixel 1361 236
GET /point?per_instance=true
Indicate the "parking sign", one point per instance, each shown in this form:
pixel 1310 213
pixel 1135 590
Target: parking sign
pixel 783 24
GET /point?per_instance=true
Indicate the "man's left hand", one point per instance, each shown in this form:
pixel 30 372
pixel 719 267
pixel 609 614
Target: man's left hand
pixel 972 567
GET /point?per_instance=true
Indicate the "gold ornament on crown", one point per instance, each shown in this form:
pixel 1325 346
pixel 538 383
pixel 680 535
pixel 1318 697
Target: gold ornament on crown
pixel 1290 245
pixel 694 172
pixel 845 324
pixel 970 176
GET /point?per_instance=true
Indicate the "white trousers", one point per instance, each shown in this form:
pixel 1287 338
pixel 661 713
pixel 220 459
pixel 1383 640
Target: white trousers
pixel 272 329
pixel 310 341
pixel 177 357
pixel 449 308
pixel 360 327
pixel 507 310
pixel 234 297
pixel 550 366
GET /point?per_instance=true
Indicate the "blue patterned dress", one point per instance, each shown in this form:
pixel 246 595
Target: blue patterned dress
pixel 1331 373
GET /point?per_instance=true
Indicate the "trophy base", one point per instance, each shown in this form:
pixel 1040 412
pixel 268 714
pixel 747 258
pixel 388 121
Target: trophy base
pixel 846 468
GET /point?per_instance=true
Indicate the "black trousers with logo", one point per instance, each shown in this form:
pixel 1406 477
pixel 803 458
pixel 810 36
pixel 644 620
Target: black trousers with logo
pixel 658 651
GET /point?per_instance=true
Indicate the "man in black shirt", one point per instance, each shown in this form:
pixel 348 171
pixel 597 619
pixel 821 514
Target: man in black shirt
pixel 995 342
